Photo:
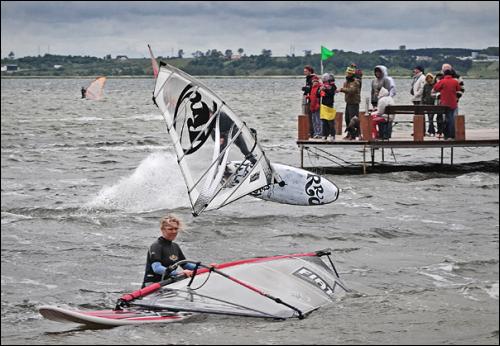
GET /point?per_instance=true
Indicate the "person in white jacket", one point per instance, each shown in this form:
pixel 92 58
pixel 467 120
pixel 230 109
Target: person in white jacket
pixel 380 119
pixel 417 85
pixel 382 80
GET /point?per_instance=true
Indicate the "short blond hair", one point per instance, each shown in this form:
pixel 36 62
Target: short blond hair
pixel 171 220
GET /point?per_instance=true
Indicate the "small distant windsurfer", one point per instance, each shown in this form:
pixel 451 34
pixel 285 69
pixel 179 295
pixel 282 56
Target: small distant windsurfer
pixel 84 92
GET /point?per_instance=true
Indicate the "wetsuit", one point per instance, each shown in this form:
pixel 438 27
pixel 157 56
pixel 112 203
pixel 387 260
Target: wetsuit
pixel 165 252
pixel 227 131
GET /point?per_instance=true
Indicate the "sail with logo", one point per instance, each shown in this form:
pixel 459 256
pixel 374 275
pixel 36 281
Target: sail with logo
pixel 207 136
pixel 275 287
pixel 219 155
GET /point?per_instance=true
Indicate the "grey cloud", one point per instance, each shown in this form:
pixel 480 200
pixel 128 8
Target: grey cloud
pixel 99 28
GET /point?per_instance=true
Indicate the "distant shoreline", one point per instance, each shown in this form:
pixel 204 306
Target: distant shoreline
pixel 216 64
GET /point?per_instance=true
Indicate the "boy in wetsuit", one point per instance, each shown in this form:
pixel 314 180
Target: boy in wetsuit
pixel 164 253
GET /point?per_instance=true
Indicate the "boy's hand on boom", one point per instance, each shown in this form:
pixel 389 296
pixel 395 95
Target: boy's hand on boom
pixel 187 272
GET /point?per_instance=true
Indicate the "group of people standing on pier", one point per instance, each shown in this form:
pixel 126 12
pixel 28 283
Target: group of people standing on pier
pixel 444 89
pixel 319 98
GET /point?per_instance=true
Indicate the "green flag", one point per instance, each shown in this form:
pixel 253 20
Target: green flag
pixel 325 53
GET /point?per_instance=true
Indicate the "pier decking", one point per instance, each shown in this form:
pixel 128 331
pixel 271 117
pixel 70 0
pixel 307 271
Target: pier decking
pixel 400 139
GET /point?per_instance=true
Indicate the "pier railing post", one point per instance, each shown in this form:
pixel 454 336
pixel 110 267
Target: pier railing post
pixel 303 127
pixel 460 128
pixel 365 123
pixel 418 127
pixel 339 119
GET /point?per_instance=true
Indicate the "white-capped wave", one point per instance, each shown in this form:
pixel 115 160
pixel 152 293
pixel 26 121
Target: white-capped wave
pixel 37 283
pixel 86 119
pixel 443 275
pixel 492 290
pixel 478 179
pixel 10 218
pixel 361 205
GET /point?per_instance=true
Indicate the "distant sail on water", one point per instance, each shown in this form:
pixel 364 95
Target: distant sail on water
pixel 154 63
pixel 95 90
pixel 207 136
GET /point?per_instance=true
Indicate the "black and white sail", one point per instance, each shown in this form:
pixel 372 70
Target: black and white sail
pixel 207 135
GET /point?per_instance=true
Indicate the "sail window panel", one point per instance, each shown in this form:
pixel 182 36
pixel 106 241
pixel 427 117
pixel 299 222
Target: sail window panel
pixel 305 283
pixel 219 294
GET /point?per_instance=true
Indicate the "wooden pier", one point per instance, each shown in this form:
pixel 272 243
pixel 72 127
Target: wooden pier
pixel 400 138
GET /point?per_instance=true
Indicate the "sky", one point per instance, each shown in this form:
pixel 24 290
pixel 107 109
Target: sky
pixel 98 28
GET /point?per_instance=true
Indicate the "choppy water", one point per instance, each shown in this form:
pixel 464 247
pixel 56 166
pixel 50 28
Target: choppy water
pixel 84 184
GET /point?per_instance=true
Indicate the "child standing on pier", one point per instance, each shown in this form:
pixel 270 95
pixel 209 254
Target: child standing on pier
pixel 429 99
pixel 327 112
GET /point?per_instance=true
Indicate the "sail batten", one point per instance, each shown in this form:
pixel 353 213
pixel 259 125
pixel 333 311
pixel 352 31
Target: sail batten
pixel 228 198
pixel 208 136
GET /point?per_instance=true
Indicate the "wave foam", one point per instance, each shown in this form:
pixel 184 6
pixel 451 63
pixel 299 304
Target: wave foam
pixel 154 185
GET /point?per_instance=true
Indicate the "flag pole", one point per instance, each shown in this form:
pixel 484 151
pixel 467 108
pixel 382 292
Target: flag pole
pixel 321 66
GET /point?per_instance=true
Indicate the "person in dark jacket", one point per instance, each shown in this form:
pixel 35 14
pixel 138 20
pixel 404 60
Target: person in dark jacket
pixel 429 99
pixel 437 96
pixel 309 73
pixel 227 131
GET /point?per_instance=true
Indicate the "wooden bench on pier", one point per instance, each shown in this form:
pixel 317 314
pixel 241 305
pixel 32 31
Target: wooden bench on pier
pixel 418 120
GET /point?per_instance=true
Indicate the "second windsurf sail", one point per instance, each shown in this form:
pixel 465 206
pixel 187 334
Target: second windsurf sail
pixel 95 90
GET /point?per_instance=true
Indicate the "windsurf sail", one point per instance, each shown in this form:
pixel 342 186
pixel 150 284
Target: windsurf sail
pixel 279 287
pixel 154 63
pixel 95 90
pixel 207 136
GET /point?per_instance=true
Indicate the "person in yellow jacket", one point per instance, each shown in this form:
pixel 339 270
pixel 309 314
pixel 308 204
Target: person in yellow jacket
pixel 327 112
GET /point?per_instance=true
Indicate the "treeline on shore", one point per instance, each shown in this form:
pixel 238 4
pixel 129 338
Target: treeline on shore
pixel 215 63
